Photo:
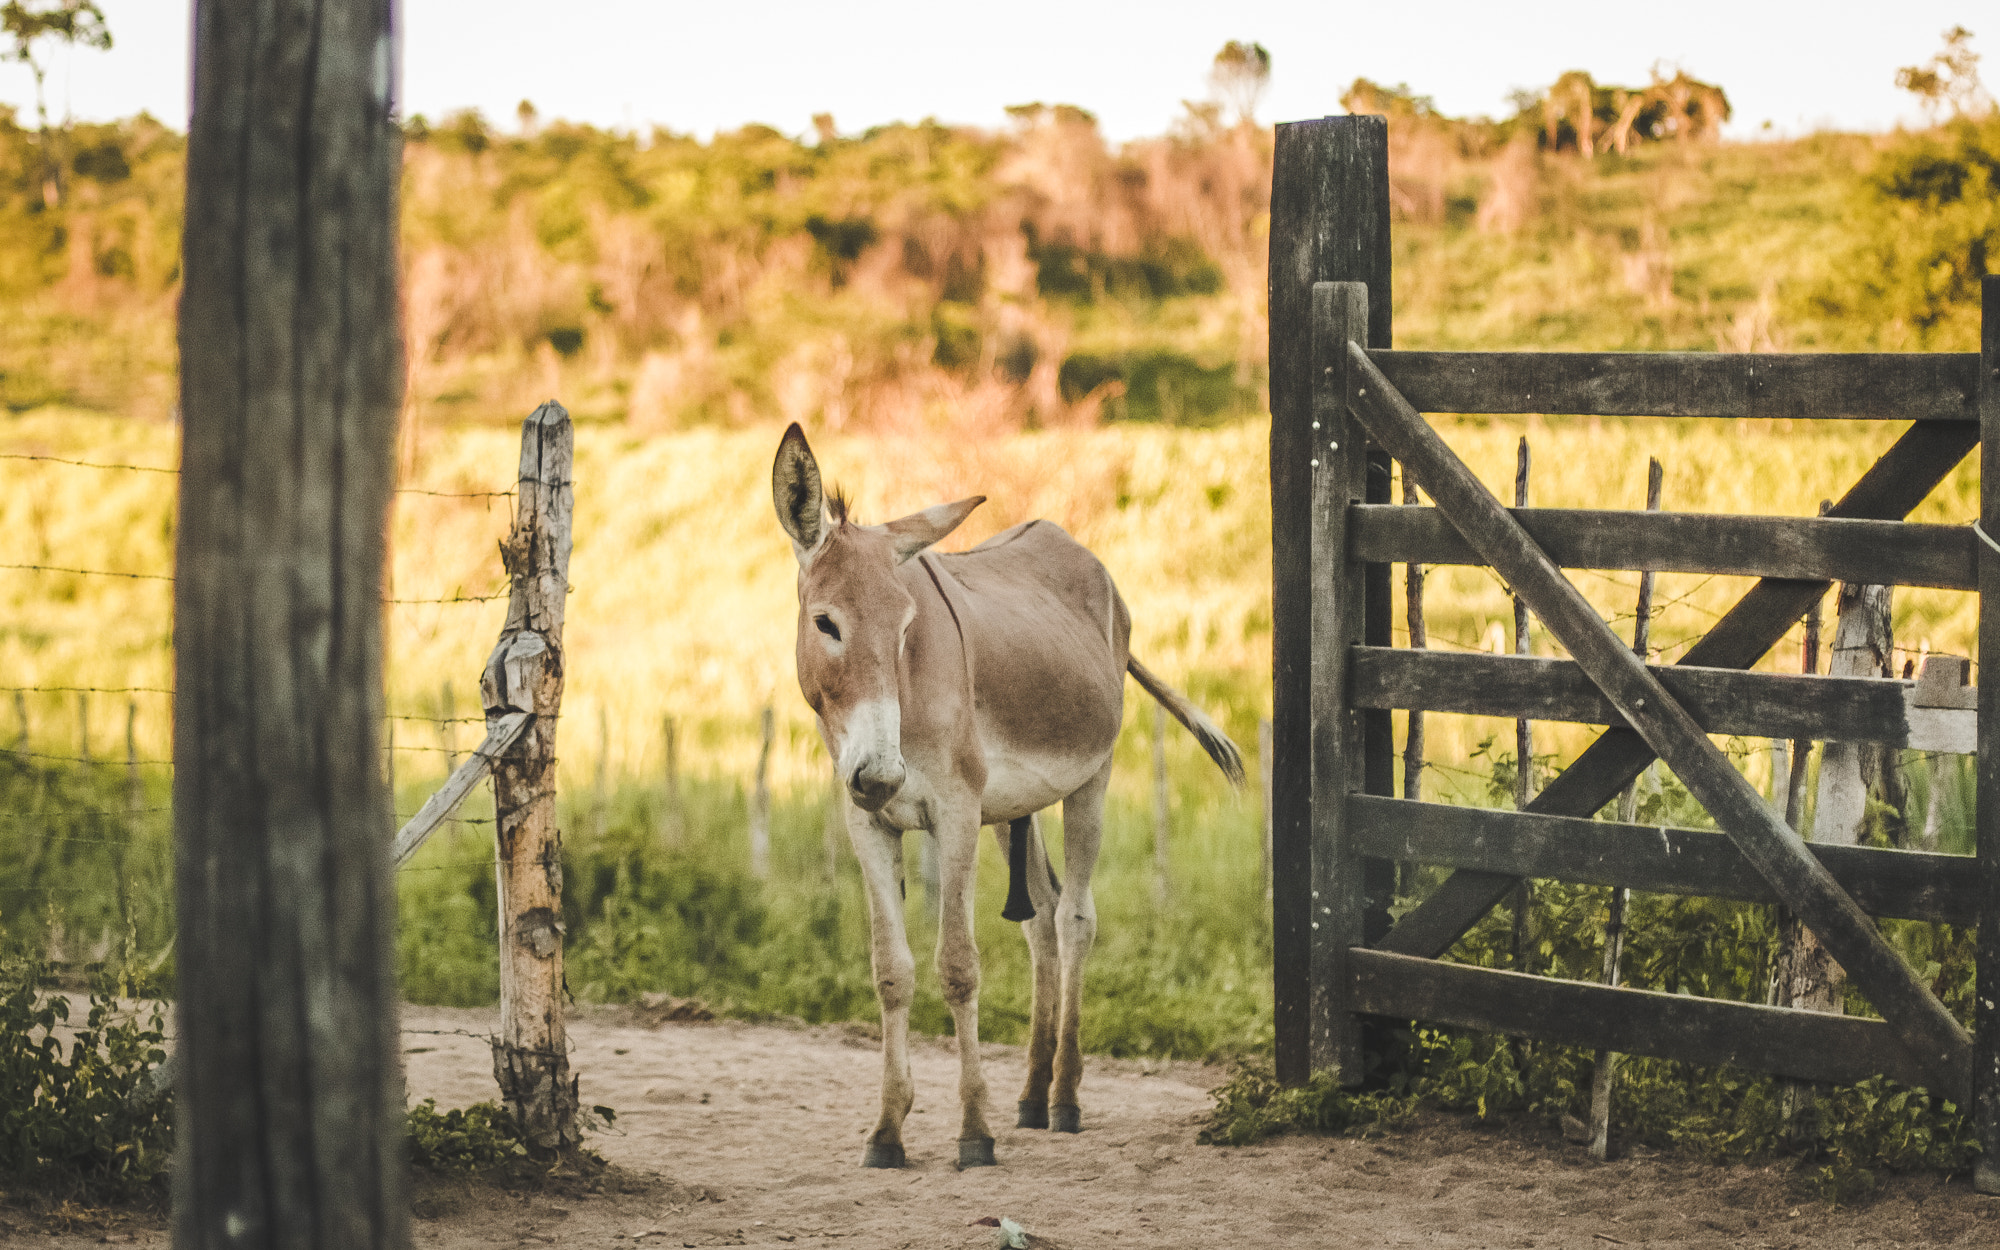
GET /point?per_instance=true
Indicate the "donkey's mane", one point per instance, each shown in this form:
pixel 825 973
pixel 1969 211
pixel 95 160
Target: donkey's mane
pixel 837 505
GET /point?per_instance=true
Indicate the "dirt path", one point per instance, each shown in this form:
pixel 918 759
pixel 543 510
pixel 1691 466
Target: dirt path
pixel 756 1132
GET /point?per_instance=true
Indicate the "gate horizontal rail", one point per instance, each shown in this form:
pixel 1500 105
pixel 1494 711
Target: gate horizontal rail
pixel 1865 386
pixel 1874 553
pixel 1721 700
pixel 1657 859
pixel 1802 1044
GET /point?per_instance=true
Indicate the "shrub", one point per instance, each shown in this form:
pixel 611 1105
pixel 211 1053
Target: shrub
pixel 91 1122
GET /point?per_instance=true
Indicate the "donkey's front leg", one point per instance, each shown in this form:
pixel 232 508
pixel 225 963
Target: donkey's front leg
pixel 880 851
pixel 957 833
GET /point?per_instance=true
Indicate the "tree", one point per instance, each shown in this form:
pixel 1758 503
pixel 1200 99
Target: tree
pixel 27 23
pixel 1239 76
pixel 1948 85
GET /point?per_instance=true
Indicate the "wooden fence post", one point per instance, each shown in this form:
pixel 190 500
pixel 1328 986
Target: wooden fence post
pixel 289 1088
pixel 1264 776
pixel 1986 1027
pixel 1329 222
pixel 524 674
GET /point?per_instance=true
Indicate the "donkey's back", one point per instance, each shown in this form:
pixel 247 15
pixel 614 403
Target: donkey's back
pixel 1049 636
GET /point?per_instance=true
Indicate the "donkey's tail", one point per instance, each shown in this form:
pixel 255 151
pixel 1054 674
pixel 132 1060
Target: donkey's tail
pixel 1224 752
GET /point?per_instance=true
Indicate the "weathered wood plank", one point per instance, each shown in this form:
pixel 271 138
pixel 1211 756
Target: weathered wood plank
pixel 445 800
pixel 524 673
pixel 1892 487
pixel 1907 885
pixel 1879 386
pixel 1721 700
pixel 1882 553
pixel 289 1087
pixel 1934 1038
pixel 1329 222
pixel 1986 1024
pixel 1802 1044
pixel 1340 465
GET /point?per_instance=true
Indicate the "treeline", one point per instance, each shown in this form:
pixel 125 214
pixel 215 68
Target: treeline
pixel 918 275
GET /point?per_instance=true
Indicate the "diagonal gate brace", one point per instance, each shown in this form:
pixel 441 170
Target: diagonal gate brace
pixel 1934 1039
pixel 1895 485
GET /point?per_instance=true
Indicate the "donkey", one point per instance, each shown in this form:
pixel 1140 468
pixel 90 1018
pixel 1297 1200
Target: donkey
pixel 955 691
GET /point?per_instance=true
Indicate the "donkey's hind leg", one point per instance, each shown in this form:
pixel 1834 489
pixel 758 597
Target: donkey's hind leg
pixel 1045 964
pixel 880 851
pixel 1076 932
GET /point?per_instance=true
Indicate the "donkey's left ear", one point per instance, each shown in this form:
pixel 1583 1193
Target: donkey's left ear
pixel 920 529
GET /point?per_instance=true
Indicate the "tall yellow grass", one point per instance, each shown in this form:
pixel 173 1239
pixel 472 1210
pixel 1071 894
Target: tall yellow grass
pixel 683 596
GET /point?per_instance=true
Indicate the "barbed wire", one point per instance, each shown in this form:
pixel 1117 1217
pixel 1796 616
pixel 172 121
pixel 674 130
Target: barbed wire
pixel 175 472
pixel 84 690
pixel 168 577
pixel 100 761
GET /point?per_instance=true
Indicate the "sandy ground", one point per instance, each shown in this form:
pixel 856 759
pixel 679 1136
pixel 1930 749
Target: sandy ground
pixel 751 1135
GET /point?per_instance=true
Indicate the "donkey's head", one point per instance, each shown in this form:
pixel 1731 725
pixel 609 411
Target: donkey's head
pixel 853 611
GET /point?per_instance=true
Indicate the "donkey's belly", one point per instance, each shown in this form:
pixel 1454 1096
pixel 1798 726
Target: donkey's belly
pixel 1020 781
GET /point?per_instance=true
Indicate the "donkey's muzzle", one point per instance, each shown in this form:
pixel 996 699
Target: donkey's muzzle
pixel 872 787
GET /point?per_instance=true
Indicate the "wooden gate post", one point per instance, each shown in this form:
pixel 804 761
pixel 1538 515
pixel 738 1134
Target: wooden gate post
pixel 1329 223
pixel 1986 1027
pixel 525 674
pixel 290 1088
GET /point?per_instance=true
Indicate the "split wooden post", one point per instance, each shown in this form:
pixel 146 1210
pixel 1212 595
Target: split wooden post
pixel 1926 1029
pixel 1986 1041
pixel 524 677
pixel 1162 815
pixel 760 802
pixel 1329 221
pixel 1604 1073
pixel 289 1084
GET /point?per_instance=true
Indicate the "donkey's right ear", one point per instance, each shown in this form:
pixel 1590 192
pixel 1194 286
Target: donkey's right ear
pixel 795 489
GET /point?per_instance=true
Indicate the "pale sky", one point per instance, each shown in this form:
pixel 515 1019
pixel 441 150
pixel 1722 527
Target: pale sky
pixel 702 67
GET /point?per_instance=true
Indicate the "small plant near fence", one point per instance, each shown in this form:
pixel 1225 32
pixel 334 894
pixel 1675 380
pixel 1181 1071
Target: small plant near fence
pixel 82 1116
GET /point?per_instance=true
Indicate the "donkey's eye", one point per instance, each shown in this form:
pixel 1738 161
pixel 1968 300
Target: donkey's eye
pixel 826 626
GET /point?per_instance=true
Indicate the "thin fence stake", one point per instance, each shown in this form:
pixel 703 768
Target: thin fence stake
pixel 760 803
pixel 1162 817
pixel 83 726
pixel 601 800
pixel 21 718
pixel 670 818
pixel 1604 1074
pixel 1524 739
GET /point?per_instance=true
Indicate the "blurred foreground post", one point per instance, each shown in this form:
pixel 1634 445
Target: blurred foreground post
pixel 290 1089
pixel 525 675
pixel 1264 775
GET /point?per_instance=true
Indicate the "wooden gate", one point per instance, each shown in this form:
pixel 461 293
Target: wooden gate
pixel 1343 405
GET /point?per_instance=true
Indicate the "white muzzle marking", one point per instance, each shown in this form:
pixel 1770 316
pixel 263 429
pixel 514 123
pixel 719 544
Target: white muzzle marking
pixel 871 754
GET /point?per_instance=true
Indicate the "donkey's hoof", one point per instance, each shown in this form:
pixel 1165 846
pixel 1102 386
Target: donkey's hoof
pixel 1032 1115
pixel 975 1152
pixel 881 1154
pixel 1066 1119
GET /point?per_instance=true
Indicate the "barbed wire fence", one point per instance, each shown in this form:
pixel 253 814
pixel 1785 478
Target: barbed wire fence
pixel 86 863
